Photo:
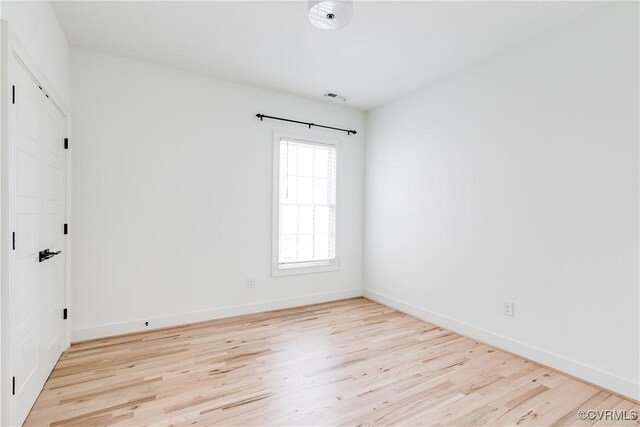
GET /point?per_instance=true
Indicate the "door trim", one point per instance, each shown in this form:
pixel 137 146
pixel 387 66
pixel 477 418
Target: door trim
pixel 11 48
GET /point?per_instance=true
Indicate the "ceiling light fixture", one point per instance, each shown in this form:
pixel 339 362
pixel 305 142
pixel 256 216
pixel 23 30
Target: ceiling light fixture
pixel 330 14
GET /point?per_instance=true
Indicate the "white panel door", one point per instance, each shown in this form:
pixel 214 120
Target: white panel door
pixel 37 289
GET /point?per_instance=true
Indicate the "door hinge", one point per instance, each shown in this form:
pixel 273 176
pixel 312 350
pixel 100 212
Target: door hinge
pixel 13 386
pixel 14 240
pixel 66 143
pixel 64 314
pixel 66 229
pixel 13 94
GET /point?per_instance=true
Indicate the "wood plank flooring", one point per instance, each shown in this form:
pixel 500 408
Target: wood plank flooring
pixel 351 362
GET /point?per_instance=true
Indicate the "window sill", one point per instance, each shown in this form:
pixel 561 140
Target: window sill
pixel 304 268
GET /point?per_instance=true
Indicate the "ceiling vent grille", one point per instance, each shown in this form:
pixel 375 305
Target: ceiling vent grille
pixel 335 96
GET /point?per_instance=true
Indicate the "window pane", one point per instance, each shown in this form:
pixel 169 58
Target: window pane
pixel 321 163
pixel 305 247
pixel 288 248
pixel 321 246
pixel 305 190
pixel 322 219
pixel 305 220
pixel 288 189
pixel 332 179
pixel 320 191
pixel 288 158
pixel 289 220
pixel 305 160
pixel 332 245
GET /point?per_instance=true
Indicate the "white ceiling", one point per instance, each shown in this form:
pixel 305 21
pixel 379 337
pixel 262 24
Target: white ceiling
pixel 388 49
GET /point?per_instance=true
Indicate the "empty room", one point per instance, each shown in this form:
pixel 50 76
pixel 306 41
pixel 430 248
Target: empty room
pixel 319 213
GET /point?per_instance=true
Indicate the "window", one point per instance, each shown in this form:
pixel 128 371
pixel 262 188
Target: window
pixel 305 184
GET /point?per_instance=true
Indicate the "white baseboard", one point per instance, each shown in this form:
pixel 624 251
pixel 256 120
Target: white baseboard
pixel 200 316
pixel 571 367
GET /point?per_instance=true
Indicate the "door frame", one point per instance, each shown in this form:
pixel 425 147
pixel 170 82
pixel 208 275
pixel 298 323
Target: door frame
pixel 10 49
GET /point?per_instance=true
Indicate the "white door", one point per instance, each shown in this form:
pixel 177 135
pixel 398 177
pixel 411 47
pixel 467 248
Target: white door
pixel 37 215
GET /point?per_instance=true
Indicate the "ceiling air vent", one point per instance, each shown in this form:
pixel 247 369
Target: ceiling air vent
pixel 335 96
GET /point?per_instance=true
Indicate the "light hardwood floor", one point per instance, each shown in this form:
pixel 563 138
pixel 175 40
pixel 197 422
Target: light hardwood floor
pixel 351 362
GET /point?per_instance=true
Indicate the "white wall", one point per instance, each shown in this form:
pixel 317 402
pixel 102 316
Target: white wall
pixel 517 180
pixel 172 197
pixel 35 25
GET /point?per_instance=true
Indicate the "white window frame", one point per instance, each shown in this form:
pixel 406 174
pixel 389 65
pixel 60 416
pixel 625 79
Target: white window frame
pixel 304 267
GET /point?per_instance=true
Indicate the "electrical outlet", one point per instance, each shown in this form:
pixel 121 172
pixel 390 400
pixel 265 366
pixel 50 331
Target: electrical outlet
pixel 508 309
pixel 250 284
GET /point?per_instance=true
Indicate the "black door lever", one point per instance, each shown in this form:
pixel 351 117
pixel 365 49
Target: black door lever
pixel 46 254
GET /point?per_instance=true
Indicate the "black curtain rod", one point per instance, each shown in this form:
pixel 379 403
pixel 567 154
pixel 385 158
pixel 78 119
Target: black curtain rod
pixel 348 131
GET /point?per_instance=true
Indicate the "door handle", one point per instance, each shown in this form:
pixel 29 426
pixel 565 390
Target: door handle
pixel 46 254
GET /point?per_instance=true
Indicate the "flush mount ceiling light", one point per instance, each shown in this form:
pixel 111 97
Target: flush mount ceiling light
pixel 330 14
